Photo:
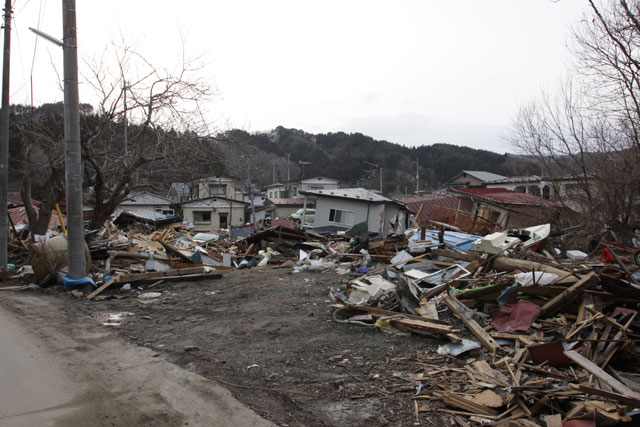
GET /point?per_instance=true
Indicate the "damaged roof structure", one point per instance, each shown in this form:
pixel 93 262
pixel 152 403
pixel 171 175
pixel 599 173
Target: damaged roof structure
pixel 341 209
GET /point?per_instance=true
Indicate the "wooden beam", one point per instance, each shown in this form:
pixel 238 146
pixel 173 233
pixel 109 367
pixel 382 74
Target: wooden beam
pixel 607 394
pixel 160 274
pixel 106 284
pixel 601 374
pixel 455 255
pixel 473 326
pixel 581 285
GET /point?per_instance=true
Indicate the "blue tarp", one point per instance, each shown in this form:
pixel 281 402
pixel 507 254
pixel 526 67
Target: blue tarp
pixel 460 240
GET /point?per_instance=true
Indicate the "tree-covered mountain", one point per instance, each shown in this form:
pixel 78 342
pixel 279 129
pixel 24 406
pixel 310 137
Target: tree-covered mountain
pixel 349 157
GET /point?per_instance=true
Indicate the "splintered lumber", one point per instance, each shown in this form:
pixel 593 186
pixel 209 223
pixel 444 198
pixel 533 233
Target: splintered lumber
pixel 473 326
pixel 607 394
pixel 468 405
pixel 503 263
pixel 553 420
pixel 581 285
pixel 412 322
pixel 455 255
pixel 601 374
pixel 102 288
pixel 156 275
pixel 624 267
pixel 378 312
pixel 423 325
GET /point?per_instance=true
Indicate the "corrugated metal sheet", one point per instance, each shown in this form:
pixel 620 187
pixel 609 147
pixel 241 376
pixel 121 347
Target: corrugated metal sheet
pixel 429 203
pixel 506 197
pixel 19 218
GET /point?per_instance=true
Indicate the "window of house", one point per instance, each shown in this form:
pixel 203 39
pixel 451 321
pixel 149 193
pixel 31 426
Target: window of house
pixel 216 189
pixel 201 217
pixel 341 217
pixel 316 187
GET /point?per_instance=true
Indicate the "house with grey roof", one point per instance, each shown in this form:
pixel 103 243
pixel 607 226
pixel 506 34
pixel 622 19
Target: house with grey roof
pixel 472 179
pixel 291 189
pixel 341 209
pixel 179 192
pixel 145 201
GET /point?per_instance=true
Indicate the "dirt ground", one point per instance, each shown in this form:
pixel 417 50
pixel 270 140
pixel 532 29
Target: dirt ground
pixel 268 336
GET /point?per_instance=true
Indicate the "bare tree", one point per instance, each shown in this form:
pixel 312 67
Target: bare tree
pixel 589 131
pixel 160 126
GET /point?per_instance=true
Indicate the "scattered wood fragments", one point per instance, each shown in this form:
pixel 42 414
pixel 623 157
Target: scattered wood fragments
pixel 568 363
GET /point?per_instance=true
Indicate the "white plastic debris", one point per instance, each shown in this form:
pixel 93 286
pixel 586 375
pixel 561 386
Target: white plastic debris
pixel 535 277
pixel 149 295
pixel 576 255
pixel 401 256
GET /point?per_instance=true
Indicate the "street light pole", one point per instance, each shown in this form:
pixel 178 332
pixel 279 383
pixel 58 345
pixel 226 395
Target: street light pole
pixel 75 226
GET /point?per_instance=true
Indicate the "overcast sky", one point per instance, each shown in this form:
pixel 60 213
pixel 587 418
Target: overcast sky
pixel 411 72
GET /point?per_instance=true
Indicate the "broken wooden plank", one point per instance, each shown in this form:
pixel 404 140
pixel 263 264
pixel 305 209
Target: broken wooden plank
pixel 623 266
pixel 601 374
pixel 588 389
pixel 102 288
pixel 503 263
pixel 455 255
pixel 461 402
pixel 582 284
pixel 156 275
pixel 377 312
pixel 422 325
pixel 473 326
pixel 553 420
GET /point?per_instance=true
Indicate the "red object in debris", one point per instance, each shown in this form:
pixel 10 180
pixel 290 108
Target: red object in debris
pixel 550 352
pixel 518 317
pixel 587 420
pixel 606 257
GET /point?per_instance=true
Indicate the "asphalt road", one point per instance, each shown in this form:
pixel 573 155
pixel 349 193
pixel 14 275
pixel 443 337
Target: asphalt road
pixel 56 374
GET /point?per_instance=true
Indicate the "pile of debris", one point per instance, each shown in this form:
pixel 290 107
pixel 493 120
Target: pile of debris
pixel 543 338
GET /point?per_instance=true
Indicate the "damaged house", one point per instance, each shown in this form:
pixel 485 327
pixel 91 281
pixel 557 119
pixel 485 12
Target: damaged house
pixel 489 209
pixel 341 209
pixel 213 214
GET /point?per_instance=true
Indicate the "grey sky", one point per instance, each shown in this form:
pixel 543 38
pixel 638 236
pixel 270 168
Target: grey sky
pixel 411 72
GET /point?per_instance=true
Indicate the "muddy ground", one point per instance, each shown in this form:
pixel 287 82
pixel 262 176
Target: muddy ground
pixel 268 336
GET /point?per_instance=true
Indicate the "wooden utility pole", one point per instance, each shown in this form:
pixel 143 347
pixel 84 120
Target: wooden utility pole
pixel 75 225
pixel 417 175
pixel 4 138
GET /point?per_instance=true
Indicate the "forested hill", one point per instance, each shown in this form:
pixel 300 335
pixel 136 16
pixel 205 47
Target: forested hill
pixel 348 157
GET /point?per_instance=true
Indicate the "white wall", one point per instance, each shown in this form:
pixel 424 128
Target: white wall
pixel 376 213
pixel 236 217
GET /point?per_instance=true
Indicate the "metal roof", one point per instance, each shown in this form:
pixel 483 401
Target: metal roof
pixel 481 175
pixel 286 202
pixel 429 202
pixel 145 198
pixel 504 196
pixel 354 194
